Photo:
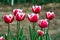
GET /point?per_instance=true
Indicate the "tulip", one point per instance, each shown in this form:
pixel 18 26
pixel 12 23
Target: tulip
pixel 33 17
pixel 20 16
pixel 8 18
pixel 50 15
pixel 17 10
pixel 2 38
pixel 36 9
pixel 40 32
pixel 43 23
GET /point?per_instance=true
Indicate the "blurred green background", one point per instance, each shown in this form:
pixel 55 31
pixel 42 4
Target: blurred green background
pixel 30 1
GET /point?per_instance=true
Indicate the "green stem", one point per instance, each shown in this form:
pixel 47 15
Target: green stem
pixel 19 25
pixel 44 30
pixel 41 38
pixel 17 30
pixel 48 26
pixel 8 30
pixel 44 33
pixel 33 27
pixel 47 32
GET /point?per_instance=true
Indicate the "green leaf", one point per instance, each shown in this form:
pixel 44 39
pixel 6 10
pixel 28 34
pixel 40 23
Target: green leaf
pixel 48 36
pixel 56 37
pixel 35 35
pixel 21 32
pixel 21 35
pixel 11 35
pixel 5 36
pixel 30 32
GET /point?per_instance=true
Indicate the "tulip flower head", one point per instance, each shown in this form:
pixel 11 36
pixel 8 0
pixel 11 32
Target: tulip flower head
pixel 33 17
pixel 50 15
pixel 20 16
pixel 43 23
pixel 36 9
pixel 8 18
pixel 2 38
pixel 17 10
pixel 40 32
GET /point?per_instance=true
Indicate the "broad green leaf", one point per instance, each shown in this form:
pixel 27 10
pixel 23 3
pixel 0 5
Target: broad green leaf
pixel 35 35
pixel 11 35
pixel 5 36
pixel 30 32
pixel 22 36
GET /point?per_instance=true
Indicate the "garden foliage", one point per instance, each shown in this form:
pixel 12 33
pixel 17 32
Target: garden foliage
pixel 30 1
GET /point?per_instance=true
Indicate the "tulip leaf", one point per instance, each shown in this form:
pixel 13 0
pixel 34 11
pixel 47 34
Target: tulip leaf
pixel 35 35
pixel 31 33
pixel 56 37
pixel 21 32
pixel 48 36
pixel 5 36
pixel 11 35
pixel 22 36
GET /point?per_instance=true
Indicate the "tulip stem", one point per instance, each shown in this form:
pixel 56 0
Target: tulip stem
pixel 17 30
pixel 48 26
pixel 19 25
pixel 47 30
pixel 33 27
pixel 8 30
pixel 44 32
pixel 41 38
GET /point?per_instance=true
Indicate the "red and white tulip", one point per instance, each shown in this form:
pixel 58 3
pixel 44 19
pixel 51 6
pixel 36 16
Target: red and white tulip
pixel 33 17
pixel 36 9
pixel 20 16
pixel 17 10
pixel 43 23
pixel 50 15
pixel 40 32
pixel 8 18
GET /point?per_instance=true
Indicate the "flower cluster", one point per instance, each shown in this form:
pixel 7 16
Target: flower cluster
pixel 34 17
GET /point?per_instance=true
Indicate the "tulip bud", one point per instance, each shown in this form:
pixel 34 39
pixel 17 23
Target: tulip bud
pixel 36 9
pixel 33 17
pixel 40 32
pixel 2 38
pixel 43 23
pixel 8 18
pixel 17 10
pixel 20 16
pixel 50 15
